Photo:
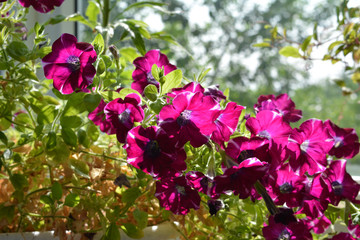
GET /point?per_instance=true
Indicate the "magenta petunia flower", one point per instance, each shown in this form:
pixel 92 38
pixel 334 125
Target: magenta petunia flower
pixel 287 187
pixel 343 236
pixel 313 208
pixel 281 104
pixel 199 182
pixel 154 152
pixel 308 147
pixel 99 119
pixel 190 87
pixel 346 141
pixel 190 118
pixel 42 6
pixel 70 64
pixel 270 125
pixel 335 184
pixel 319 225
pixel 142 74
pixel 123 113
pixel 176 195
pixel 226 122
pixel 215 93
pixel 241 179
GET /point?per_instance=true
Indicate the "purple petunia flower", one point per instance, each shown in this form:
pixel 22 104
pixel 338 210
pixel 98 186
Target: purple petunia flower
pixel 281 104
pixel 154 152
pixel 123 113
pixel 42 6
pixel 176 195
pixel 335 184
pixel 99 119
pixel 189 118
pixel 343 236
pixel 199 182
pixel 346 141
pixel 240 179
pixel 70 64
pixel 226 122
pixel 308 147
pixel 142 74
pixel 270 125
pixel 319 225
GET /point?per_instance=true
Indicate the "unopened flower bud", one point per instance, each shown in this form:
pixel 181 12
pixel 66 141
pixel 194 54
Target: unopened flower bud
pixel 114 51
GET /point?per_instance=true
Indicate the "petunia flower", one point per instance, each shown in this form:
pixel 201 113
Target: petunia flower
pixel 199 182
pixel 42 6
pixel 190 118
pixel 99 119
pixel 154 152
pixel 142 74
pixel 335 184
pixel 226 122
pixel 123 113
pixel 343 236
pixel 281 104
pixel 346 141
pixel 70 64
pixel 308 147
pixel 176 195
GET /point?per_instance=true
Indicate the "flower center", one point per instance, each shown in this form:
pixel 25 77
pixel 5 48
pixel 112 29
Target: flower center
pixel 124 116
pixel 204 182
pixel 184 118
pixel 245 154
pixel 180 190
pixel 338 142
pixel 150 78
pixel 286 188
pixel 152 149
pixel 337 187
pixel 74 63
pixel 304 146
pixel 264 134
pixel 284 235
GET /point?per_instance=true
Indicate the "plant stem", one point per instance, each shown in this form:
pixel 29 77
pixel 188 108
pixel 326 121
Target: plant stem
pixel 268 201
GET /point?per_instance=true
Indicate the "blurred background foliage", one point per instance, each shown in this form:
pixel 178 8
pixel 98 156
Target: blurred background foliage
pixel 220 34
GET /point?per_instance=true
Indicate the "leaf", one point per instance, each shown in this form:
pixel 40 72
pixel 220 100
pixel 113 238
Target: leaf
pixel 334 44
pixel 91 101
pixel 144 4
pixel 132 231
pixel 75 104
pixel 141 218
pixel 305 43
pixel 56 191
pixel 18 51
pixel 98 43
pixel 69 136
pixel 7 212
pixel 83 138
pixel 72 200
pixel 77 17
pixel 51 141
pixel 263 44
pixel 151 92
pixel 59 154
pixel 47 115
pixel 80 168
pixel 3 138
pixel 27 73
pixel 92 12
pixel 19 181
pixel 157 105
pixel 70 121
pixel 93 132
pixel 139 43
pixel 55 20
pixel 290 51
pixel 356 77
pixel 45 199
pixel 172 80
pixel 130 195
pixel 126 91
pixel 112 233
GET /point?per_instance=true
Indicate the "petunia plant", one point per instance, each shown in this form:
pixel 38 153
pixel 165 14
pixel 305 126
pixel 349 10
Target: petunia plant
pixel 112 137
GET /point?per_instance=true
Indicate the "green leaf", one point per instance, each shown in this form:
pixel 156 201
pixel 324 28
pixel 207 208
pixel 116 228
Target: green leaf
pixel 129 53
pixel 70 121
pixel 75 104
pixel 83 138
pixel 59 154
pixel 356 77
pixel 172 80
pixel 18 51
pixel 144 4
pixel 19 181
pixel 55 20
pixel 7 212
pixel 151 92
pixel 93 11
pixel 334 44
pixel 141 218
pixel 45 199
pixel 130 195
pixel 47 115
pixel 27 73
pixel 98 44
pixel 157 105
pixel 69 136
pixel 91 101
pixel 56 191
pixel 51 141
pixel 263 44
pixel 93 132
pixel 139 43
pixel 126 91
pixel 107 61
pixel 290 51
pixel 3 138
pixel 156 72
pixel 112 233
pixel 315 32
pixel 80 168
pixel 72 200
pixel 101 67
pixel 306 43
pixel 132 231
pixel 76 17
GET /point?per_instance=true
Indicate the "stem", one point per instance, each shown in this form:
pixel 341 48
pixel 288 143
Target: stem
pixel 104 156
pixel 3 163
pixel 268 201
pixel 106 13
